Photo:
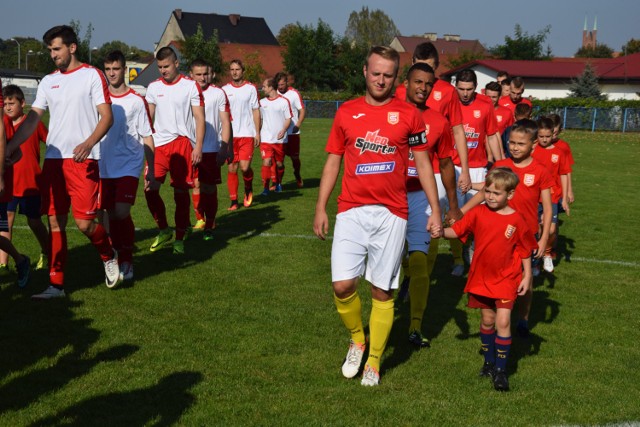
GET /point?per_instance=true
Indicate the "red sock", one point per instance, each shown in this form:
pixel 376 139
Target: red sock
pixel 100 239
pixel 248 180
pixel 266 174
pixel 209 203
pixel 274 173
pixel 57 257
pixel 296 167
pixel 115 233
pixel 196 206
pixel 157 208
pixel 123 238
pixel 182 213
pixel 280 173
pixel 232 185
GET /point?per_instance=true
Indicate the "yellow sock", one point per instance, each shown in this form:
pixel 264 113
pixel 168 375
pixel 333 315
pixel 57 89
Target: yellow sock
pixel 350 311
pixel 456 251
pixel 432 255
pixel 418 289
pixel 380 324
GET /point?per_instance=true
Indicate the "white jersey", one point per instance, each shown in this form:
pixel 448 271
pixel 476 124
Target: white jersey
pixel 72 98
pixel 274 113
pixel 173 115
pixel 122 149
pixel 294 98
pixel 215 102
pixel 243 100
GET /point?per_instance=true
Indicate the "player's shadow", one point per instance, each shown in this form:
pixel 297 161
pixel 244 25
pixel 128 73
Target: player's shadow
pixel 564 249
pixel 161 404
pixel 308 183
pixel 45 347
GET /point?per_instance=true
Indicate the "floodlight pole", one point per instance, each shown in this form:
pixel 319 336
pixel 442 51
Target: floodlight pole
pixel 18 43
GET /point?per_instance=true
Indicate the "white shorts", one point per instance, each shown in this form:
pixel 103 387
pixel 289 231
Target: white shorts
pixel 477 175
pixel 418 239
pixel 442 194
pixel 373 233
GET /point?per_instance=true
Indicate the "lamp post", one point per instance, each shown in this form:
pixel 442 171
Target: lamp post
pixel 90 51
pixel 18 43
pixel 26 66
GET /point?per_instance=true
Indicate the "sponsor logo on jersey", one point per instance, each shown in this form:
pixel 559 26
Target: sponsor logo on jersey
pixel 470 132
pixel 55 87
pixel 472 144
pixel 375 168
pixel 411 171
pixel 393 117
pixel 555 158
pixel 509 231
pixel 376 143
pixel 529 179
pixel 437 95
pixel 357 116
pixel 477 114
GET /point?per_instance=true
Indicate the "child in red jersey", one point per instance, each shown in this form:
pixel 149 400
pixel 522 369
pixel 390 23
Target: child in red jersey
pixel 561 144
pixel 500 270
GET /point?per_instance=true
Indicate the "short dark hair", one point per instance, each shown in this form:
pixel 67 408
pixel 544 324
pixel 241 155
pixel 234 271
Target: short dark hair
pixel 467 75
pixel 527 126
pixel 13 91
pixel 425 51
pixel 279 76
pixel 420 66
pixel 557 120
pixel 545 123
pixel 65 32
pixel 522 110
pixel 517 81
pixel 115 56
pixel 198 62
pixel 502 73
pixel 166 53
pixel 506 82
pixel 237 61
pixel 272 82
pixel 493 86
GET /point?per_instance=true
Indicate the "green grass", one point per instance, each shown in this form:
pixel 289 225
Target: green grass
pixel 243 331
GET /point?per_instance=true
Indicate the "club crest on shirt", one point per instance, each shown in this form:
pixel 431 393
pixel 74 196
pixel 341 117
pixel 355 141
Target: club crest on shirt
pixel 375 143
pixel 499 119
pixel 529 179
pixel 554 158
pixel 477 114
pixel 393 117
pixel 508 232
pixel 437 95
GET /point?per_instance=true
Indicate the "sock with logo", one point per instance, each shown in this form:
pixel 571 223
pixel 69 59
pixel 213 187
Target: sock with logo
pixel 350 311
pixel 232 185
pixel 488 341
pixel 503 345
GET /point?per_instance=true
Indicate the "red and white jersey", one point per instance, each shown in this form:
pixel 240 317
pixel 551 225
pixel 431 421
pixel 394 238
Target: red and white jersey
pixel 375 142
pixel 439 144
pixel 479 122
pixel 274 113
pixel 533 179
pixel 122 149
pixel 26 171
pixel 215 102
pixel 72 98
pixel 557 164
pixel 444 99
pixel 506 102
pixel 504 118
pixel 295 100
pixel 173 113
pixel 243 100
pixel 501 243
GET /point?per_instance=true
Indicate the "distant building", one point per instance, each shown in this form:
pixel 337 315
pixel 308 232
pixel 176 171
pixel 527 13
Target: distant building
pixel 27 81
pixel 590 38
pixel 449 44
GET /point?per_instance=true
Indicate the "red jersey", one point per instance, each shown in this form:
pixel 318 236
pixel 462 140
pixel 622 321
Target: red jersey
pixel 533 179
pixel 26 171
pixel 8 170
pixel 556 162
pixel 501 243
pixel 479 121
pixel 506 102
pixel 444 99
pixel 375 142
pixel 439 145
pixel 504 118
pixel 564 146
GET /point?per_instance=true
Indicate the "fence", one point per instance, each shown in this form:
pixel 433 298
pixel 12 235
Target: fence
pixel 612 119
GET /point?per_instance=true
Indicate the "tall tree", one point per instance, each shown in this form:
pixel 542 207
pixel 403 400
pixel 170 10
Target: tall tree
pixel 632 46
pixel 285 33
pixel 600 51
pixel 199 46
pixel 349 62
pixel 586 85
pixel 370 28
pixel 84 51
pixel 523 45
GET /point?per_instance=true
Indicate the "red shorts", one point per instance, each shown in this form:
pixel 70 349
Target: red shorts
pixel 175 158
pixel 292 147
pixel 479 301
pixel 68 183
pixel 208 171
pixel 242 149
pixel 118 190
pixel 275 151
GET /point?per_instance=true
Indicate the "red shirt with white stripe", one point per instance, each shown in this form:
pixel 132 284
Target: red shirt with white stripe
pixel 215 102
pixel 243 100
pixel 274 113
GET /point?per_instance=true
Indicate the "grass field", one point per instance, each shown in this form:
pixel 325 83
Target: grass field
pixel 243 330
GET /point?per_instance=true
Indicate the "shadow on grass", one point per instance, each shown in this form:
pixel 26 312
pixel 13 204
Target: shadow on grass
pixel 564 248
pixel 161 404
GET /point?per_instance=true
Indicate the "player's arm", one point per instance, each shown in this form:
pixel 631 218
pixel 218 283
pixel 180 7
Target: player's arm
pixel 448 233
pixel 570 197
pixel 152 112
pixel 474 201
pixel 150 182
pixel 283 131
pixel 26 129
pixel 448 175
pixel 526 276
pixel 464 181
pixel 198 115
pixel 564 181
pixel 495 145
pixel 83 150
pixel 428 182
pixel 327 183
pixel 257 124
pixel 547 213
pixel 226 148
pixel 301 115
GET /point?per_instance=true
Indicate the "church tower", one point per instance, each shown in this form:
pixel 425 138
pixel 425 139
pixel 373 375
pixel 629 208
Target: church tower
pixel 589 38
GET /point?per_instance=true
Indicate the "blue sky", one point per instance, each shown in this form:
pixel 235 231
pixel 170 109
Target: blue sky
pixel 141 22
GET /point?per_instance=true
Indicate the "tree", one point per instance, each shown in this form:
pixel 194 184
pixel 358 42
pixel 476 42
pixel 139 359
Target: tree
pixel 349 62
pixel 253 70
pixel 83 53
pixel 586 85
pixel 370 28
pixel 523 45
pixel 632 46
pixel 600 51
pixel 198 46
pixel 286 33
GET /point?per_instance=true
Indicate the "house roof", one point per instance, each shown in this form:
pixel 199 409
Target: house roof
pixel 444 46
pixel 622 68
pixel 231 28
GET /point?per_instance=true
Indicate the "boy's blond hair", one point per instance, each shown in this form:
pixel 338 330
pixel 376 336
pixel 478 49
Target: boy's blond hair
pixel 503 178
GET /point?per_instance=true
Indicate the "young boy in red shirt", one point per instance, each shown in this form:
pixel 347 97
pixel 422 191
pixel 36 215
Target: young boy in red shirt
pixel 500 270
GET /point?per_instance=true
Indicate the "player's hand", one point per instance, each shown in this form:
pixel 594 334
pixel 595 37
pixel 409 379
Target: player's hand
pixel 525 283
pixel 196 156
pixel 565 206
pixel 256 141
pixel 82 152
pixel 12 156
pixel 542 246
pixel 150 184
pixel 321 224
pixel 464 182
pixel 570 197
pixel 452 216
pixel 281 134
pixel 434 226
pixel 295 129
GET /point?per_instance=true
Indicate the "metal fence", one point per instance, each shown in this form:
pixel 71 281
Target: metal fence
pixel 611 119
